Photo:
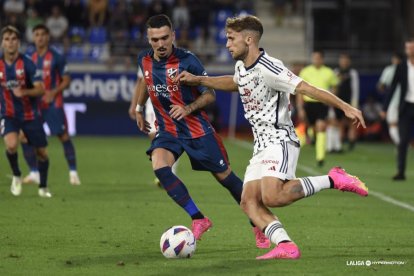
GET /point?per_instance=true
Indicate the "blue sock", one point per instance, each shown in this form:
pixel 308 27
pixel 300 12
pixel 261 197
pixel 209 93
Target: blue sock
pixel 70 155
pixel 43 170
pixel 176 190
pixel 30 156
pixel 12 157
pixel 234 184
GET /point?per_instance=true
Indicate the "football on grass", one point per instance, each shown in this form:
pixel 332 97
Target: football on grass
pixel 178 242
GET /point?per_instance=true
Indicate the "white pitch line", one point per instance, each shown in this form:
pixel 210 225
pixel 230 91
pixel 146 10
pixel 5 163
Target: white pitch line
pixel 312 171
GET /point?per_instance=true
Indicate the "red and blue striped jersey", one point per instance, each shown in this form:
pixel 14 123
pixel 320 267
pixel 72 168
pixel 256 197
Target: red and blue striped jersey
pixel 21 73
pixel 158 76
pixel 52 66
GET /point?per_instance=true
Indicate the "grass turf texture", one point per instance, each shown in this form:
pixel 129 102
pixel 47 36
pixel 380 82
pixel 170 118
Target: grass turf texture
pixel 112 223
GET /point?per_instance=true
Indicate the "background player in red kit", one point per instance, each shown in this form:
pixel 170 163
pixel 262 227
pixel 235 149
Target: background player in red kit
pixel 20 88
pixel 56 78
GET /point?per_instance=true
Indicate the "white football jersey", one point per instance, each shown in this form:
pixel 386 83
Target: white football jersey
pixel 264 89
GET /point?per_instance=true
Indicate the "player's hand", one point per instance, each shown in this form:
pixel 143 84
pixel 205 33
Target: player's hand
pixel 143 125
pixel 18 92
pixel 49 96
pixel 131 112
pixel 178 112
pixel 187 78
pixel 355 115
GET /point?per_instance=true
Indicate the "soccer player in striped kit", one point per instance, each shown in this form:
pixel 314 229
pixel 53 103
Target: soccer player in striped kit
pixel 20 90
pixel 264 85
pixel 56 78
pixel 183 126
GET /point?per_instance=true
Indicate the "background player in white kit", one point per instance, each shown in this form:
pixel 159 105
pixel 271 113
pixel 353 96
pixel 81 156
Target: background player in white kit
pixel 149 117
pixel 265 84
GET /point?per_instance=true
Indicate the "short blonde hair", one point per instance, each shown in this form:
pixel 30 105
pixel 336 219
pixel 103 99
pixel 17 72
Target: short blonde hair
pixel 245 23
pixel 10 29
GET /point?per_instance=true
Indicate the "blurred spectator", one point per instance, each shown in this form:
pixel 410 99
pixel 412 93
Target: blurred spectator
pixel 200 17
pixel 138 16
pixel 371 111
pixel 15 7
pixel 280 9
pixel 119 32
pixel 57 24
pixel 384 86
pixel 15 21
pixel 181 15
pixel 75 12
pixel 182 39
pixel 158 7
pixel 97 12
pixel 32 19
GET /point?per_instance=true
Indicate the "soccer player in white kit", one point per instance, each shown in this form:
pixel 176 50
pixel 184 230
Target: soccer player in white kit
pixel 264 85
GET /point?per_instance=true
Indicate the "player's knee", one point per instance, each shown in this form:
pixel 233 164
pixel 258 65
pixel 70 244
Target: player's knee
pixel 41 154
pixel 247 204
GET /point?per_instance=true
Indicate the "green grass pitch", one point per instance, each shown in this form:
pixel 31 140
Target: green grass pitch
pixel 112 223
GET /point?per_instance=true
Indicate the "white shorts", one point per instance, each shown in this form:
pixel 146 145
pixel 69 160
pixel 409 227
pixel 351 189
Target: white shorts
pixel 278 160
pixel 392 111
pixel 150 115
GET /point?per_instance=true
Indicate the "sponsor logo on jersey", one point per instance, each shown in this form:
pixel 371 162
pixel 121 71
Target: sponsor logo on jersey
pixel 19 72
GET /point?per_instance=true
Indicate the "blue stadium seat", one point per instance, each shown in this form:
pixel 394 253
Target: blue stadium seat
pixel 221 38
pixel 76 53
pixel 97 35
pixel 135 34
pixel 221 16
pixel 77 34
pixel 95 54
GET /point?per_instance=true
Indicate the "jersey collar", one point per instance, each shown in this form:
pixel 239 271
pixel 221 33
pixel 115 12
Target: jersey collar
pixel 257 60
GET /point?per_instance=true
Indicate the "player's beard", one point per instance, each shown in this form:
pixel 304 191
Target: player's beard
pixel 242 56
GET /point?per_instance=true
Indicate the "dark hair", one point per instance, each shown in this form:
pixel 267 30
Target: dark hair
pixel 245 22
pixel 319 51
pixel 41 27
pixel 398 55
pixel 10 29
pixel 158 21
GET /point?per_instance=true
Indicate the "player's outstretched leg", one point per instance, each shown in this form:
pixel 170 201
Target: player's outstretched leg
pixel 178 192
pixel 346 182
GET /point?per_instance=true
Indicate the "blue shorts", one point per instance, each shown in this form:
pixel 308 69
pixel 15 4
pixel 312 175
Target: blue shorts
pixel 33 130
pixel 206 153
pixel 55 119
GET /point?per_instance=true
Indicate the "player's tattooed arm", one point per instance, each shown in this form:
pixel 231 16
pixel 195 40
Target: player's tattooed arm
pixel 178 112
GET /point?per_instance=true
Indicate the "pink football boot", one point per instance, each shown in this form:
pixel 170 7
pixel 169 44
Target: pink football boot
pixel 346 182
pixel 284 250
pixel 261 240
pixel 199 226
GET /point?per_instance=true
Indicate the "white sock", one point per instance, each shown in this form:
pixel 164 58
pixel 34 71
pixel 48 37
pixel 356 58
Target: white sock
pixel 314 184
pixel 329 138
pixel 175 166
pixel 336 133
pixel 395 136
pixel 276 233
